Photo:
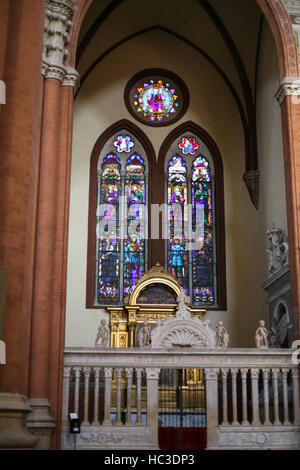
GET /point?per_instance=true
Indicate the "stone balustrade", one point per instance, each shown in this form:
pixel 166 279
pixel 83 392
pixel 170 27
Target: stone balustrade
pixel 252 396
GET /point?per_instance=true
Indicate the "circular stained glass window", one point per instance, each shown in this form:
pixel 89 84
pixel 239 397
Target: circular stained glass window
pixel 156 97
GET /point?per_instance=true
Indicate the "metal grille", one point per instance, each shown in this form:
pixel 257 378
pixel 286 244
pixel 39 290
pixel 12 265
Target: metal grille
pixel 181 403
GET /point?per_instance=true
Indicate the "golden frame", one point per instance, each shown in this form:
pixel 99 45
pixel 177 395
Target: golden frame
pixel 123 320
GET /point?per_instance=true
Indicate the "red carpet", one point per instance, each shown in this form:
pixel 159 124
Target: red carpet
pixel 193 438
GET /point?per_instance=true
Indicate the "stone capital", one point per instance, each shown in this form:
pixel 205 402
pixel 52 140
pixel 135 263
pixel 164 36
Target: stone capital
pixel 58 23
pixel 68 76
pixel 152 373
pixel 289 86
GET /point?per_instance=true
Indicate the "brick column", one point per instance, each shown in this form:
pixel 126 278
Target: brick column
pixel 21 34
pixel 289 99
pixel 48 308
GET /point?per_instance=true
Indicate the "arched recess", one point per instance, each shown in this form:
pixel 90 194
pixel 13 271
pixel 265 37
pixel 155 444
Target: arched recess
pixel 52 201
pixel 132 129
pixel 159 195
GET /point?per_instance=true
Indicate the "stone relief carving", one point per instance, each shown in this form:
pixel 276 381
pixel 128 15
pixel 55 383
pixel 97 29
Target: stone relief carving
pixel 144 335
pixel 222 338
pixel 259 439
pixel 261 336
pixel 278 251
pixel 183 331
pixel 102 335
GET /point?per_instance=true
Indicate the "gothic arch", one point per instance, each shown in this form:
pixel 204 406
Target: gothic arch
pixel 50 192
pixel 143 139
pixel 198 131
pixel 273 11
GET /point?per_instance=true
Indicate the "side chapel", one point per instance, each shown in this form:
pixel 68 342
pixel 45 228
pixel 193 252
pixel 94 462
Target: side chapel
pixel 149 194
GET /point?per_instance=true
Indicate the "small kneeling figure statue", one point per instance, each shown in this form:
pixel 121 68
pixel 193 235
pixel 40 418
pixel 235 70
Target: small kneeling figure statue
pixel 102 335
pixel 261 336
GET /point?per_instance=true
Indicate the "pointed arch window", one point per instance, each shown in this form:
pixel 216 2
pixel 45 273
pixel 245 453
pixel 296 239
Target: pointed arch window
pixel 194 248
pixel 119 180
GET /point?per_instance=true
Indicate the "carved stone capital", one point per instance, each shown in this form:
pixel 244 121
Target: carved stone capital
pixel 289 86
pixel 67 372
pixel 128 371
pixel 251 179
pixel 211 374
pixel 152 373
pixel 86 371
pixel 68 76
pixel 254 374
pixel 58 23
pixel 108 372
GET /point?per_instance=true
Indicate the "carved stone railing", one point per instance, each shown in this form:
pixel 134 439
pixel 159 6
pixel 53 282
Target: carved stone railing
pixel 252 396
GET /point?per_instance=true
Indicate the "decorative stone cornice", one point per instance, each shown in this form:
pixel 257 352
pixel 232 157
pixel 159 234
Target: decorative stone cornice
pixel 251 179
pixel 292 6
pixel 58 22
pixel 293 9
pixel 68 76
pixel 290 86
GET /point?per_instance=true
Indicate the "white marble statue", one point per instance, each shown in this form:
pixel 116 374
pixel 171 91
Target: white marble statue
pixel 183 303
pixel 144 335
pixel 222 338
pixel 278 250
pixel 102 335
pixel 261 336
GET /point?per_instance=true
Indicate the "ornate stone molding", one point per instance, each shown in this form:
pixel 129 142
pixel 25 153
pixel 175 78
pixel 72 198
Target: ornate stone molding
pixel 14 434
pixel 183 331
pixel 112 437
pixel 293 9
pixel 278 250
pixel 58 22
pixel 290 86
pixel 251 179
pixel 272 437
pixel 40 423
pixel 186 358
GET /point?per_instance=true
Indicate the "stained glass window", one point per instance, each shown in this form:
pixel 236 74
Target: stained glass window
pixel 191 234
pixel 108 230
pixel 156 97
pixel 134 243
pixel 121 214
pixel 156 100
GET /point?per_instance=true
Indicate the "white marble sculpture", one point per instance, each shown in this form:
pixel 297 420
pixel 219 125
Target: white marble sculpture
pixel 144 335
pixel 278 250
pixel 183 331
pixel 183 303
pixel 102 335
pixel 222 338
pixel 261 336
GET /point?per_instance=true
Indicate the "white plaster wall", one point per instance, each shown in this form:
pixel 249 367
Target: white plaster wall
pixel 99 104
pixel 272 207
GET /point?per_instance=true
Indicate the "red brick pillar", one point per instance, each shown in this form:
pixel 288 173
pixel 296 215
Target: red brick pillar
pixel 48 307
pixel 21 36
pixel 48 315
pixel 290 109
